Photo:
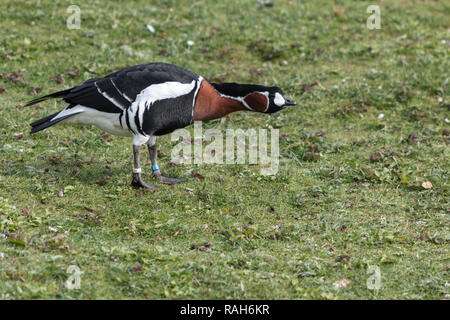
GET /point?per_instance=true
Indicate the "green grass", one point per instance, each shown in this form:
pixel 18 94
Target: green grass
pixel 290 236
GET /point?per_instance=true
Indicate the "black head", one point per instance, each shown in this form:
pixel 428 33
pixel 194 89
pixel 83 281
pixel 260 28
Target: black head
pixel 278 100
pixel 256 98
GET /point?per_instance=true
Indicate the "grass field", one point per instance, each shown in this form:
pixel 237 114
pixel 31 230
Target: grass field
pixel 363 174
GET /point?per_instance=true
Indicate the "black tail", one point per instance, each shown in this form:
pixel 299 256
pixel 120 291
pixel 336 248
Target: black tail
pixel 46 122
pixel 41 121
pixel 59 94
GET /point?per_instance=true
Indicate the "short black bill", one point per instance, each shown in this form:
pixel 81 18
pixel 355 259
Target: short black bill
pixel 290 102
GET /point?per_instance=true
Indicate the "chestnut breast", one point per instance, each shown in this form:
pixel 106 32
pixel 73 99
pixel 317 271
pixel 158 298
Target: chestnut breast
pixel 211 105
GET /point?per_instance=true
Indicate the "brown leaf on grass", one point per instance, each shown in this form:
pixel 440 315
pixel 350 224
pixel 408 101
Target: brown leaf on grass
pixel 56 238
pixel 18 135
pixel 342 258
pixel 54 159
pixel 375 157
pixel 314 147
pixel 91 215
pixel 81 216
pixel 427 185
pixel 137 267
pixel 76 171
pixel 104 180
pixel 58 78
pixel 88 161
pixel 320 134
pixel 206 247
pixel 106 137
pixel 197 176
pixel 35 91
pixel 9 54
pixel 425 236
pixel 103 209
pixel 312 156
pixel 256 73
pixel 36 106
pixel 73 73
pixel 161 154
pixel 89 209
pixel 2 90
pixel 16 76
pixel 412 138
pixel 344 283
pixel 381 154
pixel 26 213
pixel 163 52
pixel 338 10
pixel 306 86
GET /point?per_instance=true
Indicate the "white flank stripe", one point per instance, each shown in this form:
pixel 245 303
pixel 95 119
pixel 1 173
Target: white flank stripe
pixel 106 121
pixel 165 90
pixel 107 96
pixel 118 90
pixel 67 112
pixel 160 91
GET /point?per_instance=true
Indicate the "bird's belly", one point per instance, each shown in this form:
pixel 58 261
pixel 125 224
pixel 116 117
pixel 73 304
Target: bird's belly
pixel 106 121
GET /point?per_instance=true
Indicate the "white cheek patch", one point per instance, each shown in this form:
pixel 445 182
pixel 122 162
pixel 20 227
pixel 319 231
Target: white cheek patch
pixel 279 100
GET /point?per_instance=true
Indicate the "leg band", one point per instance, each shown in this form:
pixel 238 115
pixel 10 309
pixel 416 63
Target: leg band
pixel 137 170
pixel 155 168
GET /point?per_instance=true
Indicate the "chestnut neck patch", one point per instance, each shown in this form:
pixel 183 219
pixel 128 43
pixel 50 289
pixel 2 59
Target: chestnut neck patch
pixel 257 101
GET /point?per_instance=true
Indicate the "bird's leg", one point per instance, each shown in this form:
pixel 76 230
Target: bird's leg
pixel 155 168
pixel 137 171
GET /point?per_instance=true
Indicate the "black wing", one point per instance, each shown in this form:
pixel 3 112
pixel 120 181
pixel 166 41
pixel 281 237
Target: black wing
pixel 117 91
pixel 132 80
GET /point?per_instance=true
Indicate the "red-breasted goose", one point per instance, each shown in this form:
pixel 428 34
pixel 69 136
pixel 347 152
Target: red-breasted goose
pixel 155 99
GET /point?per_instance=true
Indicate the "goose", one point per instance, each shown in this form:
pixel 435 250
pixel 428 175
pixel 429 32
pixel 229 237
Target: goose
pixel 154 99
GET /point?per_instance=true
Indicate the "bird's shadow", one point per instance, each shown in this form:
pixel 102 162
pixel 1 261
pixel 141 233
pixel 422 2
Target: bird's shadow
pixel 66 172
pixel 70 172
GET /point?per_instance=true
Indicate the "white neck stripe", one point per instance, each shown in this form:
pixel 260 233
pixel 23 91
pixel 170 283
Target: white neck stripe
pixel 194 100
